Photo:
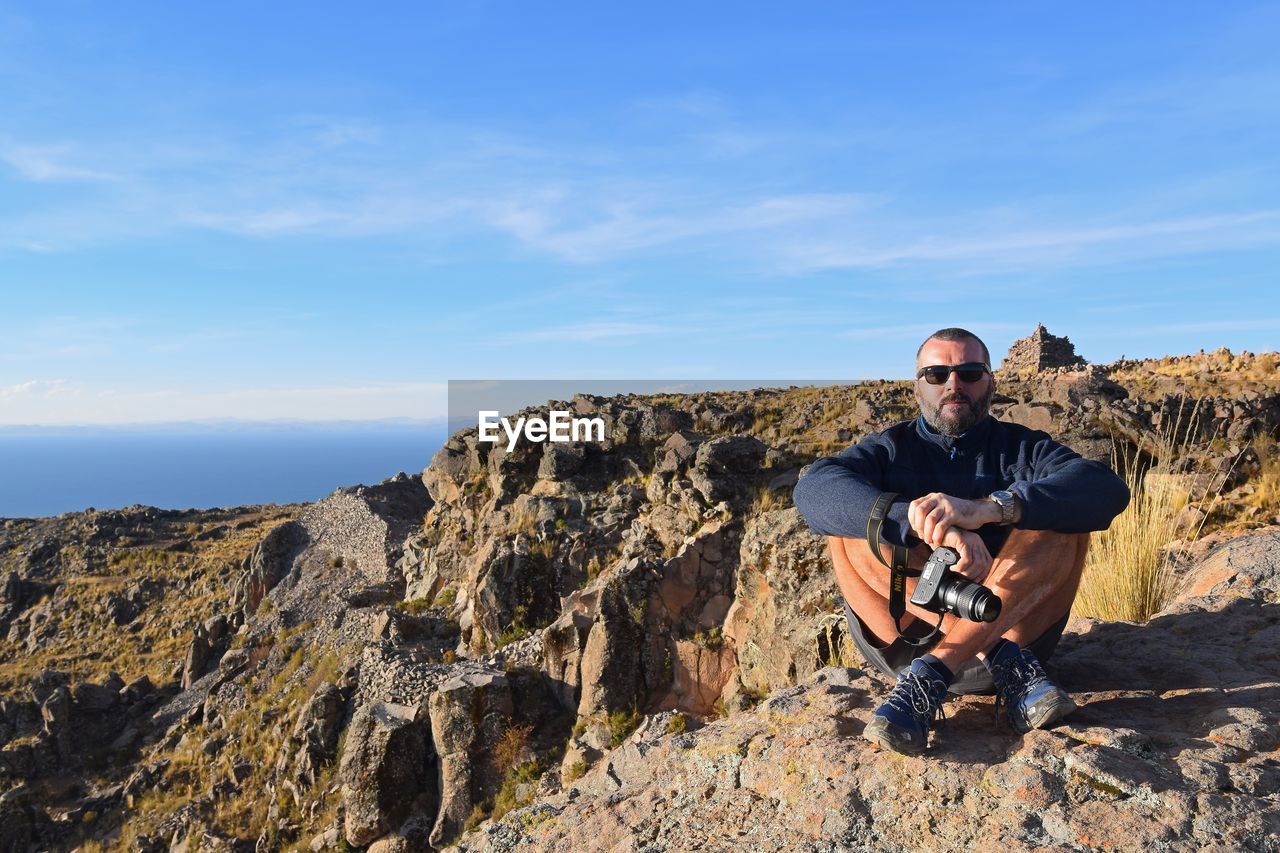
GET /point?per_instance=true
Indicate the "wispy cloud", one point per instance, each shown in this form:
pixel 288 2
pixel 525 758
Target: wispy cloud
pixel 590 332
pixel 350 178
pixel 1239 325
pixel 587 202
pixel 66 336
pixel 353 179
pixel 49 164
pixel 36 388
pixel 620 227
pixel 1188 97
pixel 1039 247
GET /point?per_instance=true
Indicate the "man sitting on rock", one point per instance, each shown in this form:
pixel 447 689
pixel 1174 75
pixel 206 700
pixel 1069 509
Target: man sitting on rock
pixel 1017 507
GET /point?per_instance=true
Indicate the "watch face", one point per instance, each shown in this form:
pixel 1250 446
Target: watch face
pixel 1002 495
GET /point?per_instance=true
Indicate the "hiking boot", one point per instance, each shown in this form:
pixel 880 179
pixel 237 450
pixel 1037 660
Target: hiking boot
pixel 902 721
pixel 1034 702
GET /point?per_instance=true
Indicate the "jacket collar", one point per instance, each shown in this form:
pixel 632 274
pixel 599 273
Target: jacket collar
pixel 975 436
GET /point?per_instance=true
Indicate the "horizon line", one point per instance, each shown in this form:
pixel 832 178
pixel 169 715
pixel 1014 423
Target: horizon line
pixel 230 422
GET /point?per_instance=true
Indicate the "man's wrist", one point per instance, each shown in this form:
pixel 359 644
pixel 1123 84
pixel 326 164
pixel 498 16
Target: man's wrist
pixel 1003 507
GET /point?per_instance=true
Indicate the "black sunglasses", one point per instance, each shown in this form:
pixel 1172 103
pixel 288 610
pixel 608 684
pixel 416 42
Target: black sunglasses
pixel 936 374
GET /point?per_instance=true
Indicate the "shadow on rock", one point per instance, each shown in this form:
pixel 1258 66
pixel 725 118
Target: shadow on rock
pixel 1230 644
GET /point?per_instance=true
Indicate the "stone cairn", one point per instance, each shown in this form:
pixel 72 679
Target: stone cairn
pixel 1040 351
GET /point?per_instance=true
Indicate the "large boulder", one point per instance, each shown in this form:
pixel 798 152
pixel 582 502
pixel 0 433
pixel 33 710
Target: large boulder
pixel 199 656
pixel 785 591
pixel 469 713
pixel 563 643
pixel 724 467
pixel 314 738
pixel 516 589
pixel 610 665
pixel 385 770
pixel 269 561
pixel 1245 566
pixel 462 458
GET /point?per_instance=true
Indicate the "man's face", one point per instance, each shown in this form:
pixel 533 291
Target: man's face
pixel 954 406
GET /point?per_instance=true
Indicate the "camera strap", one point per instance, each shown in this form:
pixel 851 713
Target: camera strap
pixel 897 566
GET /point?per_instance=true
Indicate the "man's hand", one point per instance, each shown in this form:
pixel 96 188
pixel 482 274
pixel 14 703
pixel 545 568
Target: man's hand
pixel 933 515
pixel 975 559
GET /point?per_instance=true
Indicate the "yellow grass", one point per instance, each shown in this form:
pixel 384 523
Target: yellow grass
pixel 1128 573
pixel 766 499
pixel 1266 486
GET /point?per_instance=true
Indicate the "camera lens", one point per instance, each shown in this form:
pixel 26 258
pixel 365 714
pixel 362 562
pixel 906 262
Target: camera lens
pixel 970 601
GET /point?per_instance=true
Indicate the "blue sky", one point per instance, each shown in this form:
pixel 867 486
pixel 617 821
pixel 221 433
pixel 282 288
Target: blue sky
pixel 318 211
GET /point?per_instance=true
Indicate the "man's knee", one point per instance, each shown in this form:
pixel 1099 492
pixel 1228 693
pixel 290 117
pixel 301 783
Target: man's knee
pixel 857 551
pixel 1037 574
pixel 1020 535
pixel 1045 545
pixel 856 554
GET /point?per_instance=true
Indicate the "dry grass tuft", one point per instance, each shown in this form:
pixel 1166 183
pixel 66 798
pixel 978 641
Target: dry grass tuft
pixel 1130 571
pixel 1266 485
pixel 512 747
pixel 766 499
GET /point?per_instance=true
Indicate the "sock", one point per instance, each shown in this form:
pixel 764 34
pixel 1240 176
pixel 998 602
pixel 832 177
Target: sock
pixel 1001 650
pixel 944 672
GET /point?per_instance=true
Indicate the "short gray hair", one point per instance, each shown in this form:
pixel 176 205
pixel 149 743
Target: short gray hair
pixel 952 333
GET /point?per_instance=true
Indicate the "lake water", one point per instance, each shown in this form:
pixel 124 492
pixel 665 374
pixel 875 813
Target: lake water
pixel 55 470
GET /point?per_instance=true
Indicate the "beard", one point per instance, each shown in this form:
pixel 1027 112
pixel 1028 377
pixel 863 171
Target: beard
pixel 955 421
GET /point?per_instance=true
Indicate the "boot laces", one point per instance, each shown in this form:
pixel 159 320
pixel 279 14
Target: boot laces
pixel 919 696
pixel 1015 678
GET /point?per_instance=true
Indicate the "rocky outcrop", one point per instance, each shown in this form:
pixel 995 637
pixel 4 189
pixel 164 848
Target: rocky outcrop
pixel 360 530
pixel 207 641
pixel 61 733
pixel 720 464
pixel 611 669
pixel 314 739
pixel 1246 566
pixel 270 561
pixel 384 770
pixel 1173 747
pixel 128 604
pixel 468 713
pixel 18 594
pixel 781 621
pixel 507 621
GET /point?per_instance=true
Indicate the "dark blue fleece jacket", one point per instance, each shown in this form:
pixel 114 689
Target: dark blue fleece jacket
pixel 1059 489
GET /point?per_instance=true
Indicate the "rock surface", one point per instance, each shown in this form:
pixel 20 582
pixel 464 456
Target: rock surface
pixel 1173 747
pixel 384 770
pixel 468 716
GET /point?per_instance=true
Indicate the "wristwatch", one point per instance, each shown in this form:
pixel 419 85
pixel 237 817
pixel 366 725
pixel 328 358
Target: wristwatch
pixel 1008 503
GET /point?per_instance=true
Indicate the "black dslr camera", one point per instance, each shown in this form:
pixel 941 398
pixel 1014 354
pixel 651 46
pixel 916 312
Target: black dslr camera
pixel 943 591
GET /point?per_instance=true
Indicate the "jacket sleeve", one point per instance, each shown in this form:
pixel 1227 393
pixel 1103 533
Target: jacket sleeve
pixel 1067 492
pixel 836 494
